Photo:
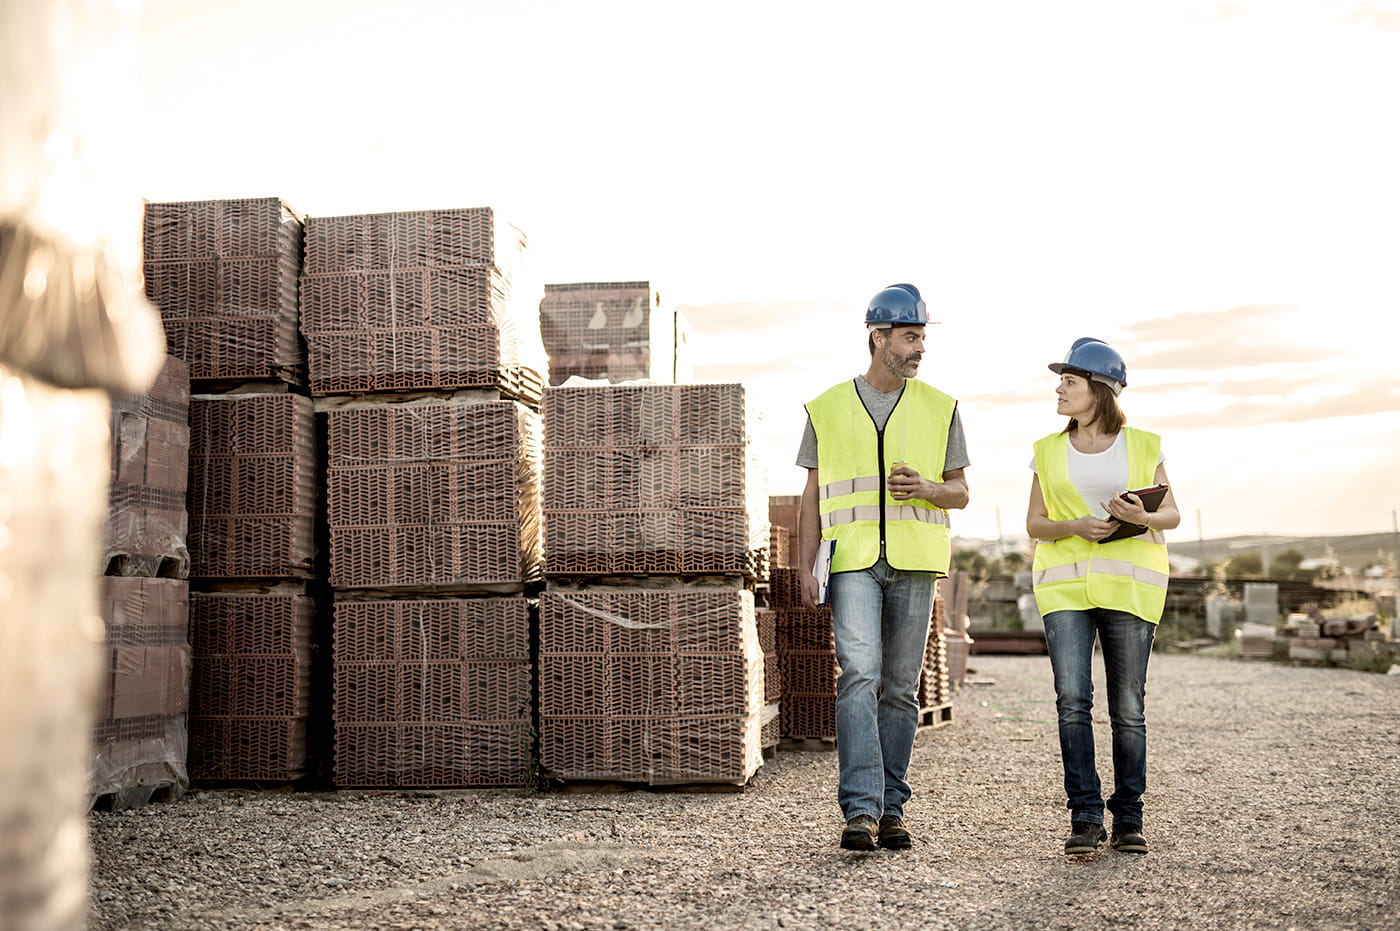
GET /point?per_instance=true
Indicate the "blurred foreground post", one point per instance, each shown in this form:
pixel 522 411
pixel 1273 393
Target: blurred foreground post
pixel 53 502
pixel 73 325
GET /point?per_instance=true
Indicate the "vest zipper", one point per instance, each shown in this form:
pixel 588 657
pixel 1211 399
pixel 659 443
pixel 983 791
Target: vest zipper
pixel 884 491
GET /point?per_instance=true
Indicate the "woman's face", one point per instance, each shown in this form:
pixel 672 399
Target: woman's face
pixel 1076 398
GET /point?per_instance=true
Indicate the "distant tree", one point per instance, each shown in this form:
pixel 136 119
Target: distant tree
pixel 1013 562
pixel 972 561
pixel 1285 565
pixel 1247 565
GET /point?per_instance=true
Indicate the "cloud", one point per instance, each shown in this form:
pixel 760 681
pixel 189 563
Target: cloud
pixel 1245 336
pixel 1375 15
pixel 1246 320
pixel 1262 387
pixel 760 369
pixel 752 317
pixel 1378 396
pixel 1219 354
pixel 1042 395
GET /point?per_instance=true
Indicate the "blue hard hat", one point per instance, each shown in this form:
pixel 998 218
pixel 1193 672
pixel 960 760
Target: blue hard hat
pixel 897 305
pixel 1099 359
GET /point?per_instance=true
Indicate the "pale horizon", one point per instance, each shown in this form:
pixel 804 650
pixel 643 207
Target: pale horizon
pixel 1210 187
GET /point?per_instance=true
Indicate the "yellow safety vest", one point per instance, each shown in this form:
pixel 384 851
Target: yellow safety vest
pixel 1072 574
pixel 853 461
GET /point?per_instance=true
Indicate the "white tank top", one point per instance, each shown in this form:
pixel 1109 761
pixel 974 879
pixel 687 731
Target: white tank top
pixel 1099 476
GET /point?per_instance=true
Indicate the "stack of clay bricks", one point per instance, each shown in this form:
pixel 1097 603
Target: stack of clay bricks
pixel 650 662
pixel 935 686
pixel 806 650
pixel 432 494
pixel 783 512
pixel 652 480
pixel 957 640
pixel 141 737
pixel 148 524
pixel 613 331
pixel 224 275
pixel 1310 638
pixel 767 621
pixel 420 300
pixel 1257 640
pixel 783 546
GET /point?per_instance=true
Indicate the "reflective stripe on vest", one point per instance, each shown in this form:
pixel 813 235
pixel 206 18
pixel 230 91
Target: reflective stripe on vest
pixel 853 460
pixel 852 485
pixel 871 512
pixel 1072 574
pixel 1082 568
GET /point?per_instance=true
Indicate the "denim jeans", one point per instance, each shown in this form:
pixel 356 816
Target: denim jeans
pixel 1126 642
pixel 881 618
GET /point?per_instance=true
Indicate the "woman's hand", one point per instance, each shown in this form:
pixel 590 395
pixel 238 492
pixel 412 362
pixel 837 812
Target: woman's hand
pixel 1092 528
pixel 1039 526
pixel 1127 508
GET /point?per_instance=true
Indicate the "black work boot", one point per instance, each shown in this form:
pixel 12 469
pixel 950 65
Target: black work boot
pixel 1128 838
pixel 860 833
pixel 893 834
pixel 1085 837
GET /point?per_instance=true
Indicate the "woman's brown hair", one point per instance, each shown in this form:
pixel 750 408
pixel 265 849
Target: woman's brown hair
pixel 1107 414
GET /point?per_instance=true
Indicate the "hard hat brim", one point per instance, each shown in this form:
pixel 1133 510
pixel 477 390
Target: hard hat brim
pixel 1117 386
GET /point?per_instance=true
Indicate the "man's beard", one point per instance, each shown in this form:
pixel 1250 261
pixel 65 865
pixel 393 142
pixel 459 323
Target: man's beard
pixel 902 366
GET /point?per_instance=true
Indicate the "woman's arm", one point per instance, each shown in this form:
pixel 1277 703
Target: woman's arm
pixel 1040 527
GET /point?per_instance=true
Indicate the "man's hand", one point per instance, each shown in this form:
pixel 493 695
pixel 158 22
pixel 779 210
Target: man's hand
pixel 904 483
pixel 809 588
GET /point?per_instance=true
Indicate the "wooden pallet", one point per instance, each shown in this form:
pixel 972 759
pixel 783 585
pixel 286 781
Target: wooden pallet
pixel 937 716
pixel 609 787
pixel 808 744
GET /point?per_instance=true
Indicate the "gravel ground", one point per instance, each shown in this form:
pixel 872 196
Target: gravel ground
pixel 1273 802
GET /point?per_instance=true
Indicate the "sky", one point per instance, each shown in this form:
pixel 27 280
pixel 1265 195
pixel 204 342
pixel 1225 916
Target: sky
pixel 1213 188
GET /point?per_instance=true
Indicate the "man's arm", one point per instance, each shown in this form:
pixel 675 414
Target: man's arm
pixel 809 536
pixel 905 483
pixel 949 494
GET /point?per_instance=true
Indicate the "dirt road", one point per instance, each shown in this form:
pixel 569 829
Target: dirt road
pixel 1273 802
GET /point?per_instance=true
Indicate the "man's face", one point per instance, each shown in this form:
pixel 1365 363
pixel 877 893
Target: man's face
pixel 902 349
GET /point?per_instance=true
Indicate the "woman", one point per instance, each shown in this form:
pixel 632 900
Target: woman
pixel 1085 586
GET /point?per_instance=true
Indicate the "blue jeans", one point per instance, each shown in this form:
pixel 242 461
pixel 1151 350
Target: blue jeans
pixel 1126 642
pixel 881 618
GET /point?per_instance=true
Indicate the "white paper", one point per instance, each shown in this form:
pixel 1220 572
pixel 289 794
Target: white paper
pixel 821 568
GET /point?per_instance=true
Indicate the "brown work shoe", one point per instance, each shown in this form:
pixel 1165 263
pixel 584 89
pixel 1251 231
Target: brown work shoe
pixel 1128 838
pixel 893 834
pixel 1085 837
pixel 860 833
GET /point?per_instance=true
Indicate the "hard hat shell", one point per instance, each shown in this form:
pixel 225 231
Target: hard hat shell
pixel 1099 359
pixel 897 305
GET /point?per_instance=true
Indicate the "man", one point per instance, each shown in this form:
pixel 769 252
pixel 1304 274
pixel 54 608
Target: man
pixel 884 455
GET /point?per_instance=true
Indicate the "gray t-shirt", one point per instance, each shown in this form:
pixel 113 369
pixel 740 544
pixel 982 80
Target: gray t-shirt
pixel 880 404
